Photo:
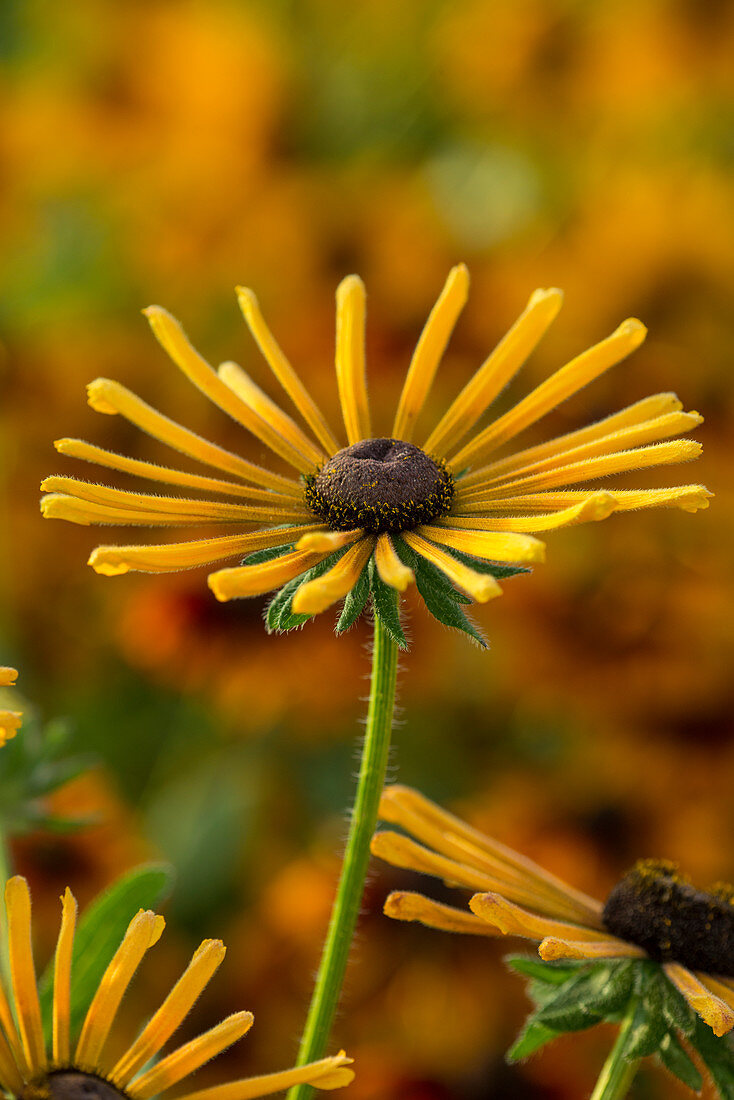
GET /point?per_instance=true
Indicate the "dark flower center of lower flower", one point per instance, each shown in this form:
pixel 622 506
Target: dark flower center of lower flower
pixel 380 485
pixel 656 908
pixel 71 1084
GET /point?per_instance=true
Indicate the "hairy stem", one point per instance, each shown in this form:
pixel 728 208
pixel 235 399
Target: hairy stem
pixel 617 1073
pixel 371 780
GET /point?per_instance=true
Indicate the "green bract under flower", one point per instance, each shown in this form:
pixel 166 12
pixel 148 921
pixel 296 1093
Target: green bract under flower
pixel 452 514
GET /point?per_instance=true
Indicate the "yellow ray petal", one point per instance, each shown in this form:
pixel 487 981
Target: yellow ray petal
pixel 8 676
pixel 647 409
pixel 62 980
pixel 429 350
pixel 496 371
pixel 403 905
pixel 597 506
pixel 254 580
pixel 688 497
pixel 111 561
pixel 173 340
pixel 611 948
pixel 172 1012
pixel 350 358
pixel 549 394
pixel 635 435
pixel 284 372
pixel 447 833
pixel 106 396
pixel 10 1078
pixel 329 1073
pixel 514 920
pixel 77 448
pixel 389 566
pixel 659 454
pixel 178 509
pixel 23 973
pixel 316 595
pixel 328 541
pixel 480 586
pixel 143 932
pixel 189 1057
pixel 9 1030
pixel 264 407
pixel 712 1010
pixel 495 546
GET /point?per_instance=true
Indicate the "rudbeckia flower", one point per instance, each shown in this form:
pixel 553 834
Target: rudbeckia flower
pixel 453 514
pixel 652 914
pixel 85 1068
pixel 9 719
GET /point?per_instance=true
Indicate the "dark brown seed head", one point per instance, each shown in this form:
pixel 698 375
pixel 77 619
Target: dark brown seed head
pixel 380 485
pixel 656 908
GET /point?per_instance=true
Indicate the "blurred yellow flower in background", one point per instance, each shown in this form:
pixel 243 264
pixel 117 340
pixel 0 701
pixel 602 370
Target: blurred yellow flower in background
pixel 9 719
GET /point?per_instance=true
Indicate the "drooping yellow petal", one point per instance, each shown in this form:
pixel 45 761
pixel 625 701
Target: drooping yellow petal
pixel 480 586
pixel 389 566
pixel 254 580
pixel 635 435
pixel 173 340
pixel 407 906
pixel 329 1073
pixel 493 545
pixel 648 408
pixel 712 1010
pixel 640 458
pixel 143 932
pixel 264 407
pixel 688 497
pixel 284 372
pixel 23 973
pixel 77 448
pixel 515 920
pixel 549 394
pixel 111 561
pixel 316 595
pixel 189 1057
pixel 62 980
pixel 496 371
pixel 173 510
pixel 328 541
pixel 10 1078
pixel 172 1012
pixel 596 506
pixel 429 350
pixel 350 358
pixel 8 676
pixel 611 948
pixel 106 396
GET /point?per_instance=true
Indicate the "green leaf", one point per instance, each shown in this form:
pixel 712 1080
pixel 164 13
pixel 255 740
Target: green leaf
pixel 386 603
pixel 555 972
pixel 100 932
pixel 532 1037
pixel 677 1062
pixel 354 602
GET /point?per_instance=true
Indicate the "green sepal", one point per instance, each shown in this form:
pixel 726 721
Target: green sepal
pixel 649 1026
pixel 386 604
pixel 676 1061
pixel 480 565
pixel 280 617
pixel 587 997
pixel 718 1057
pixel 354 602
pixel 554 972
pixel 270 553
pixel 532 1037
pixel 676 1010
pixel 99 933
pixel 442 600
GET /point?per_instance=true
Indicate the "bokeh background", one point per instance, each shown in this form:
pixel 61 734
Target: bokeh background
pixel 163 152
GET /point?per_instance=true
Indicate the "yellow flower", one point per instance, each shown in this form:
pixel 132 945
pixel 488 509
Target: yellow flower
pixel 651 913
pixel 9 719
pixel 449 505
pixel 69 1071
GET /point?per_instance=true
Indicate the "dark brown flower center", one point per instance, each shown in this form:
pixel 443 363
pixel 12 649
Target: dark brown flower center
pixel 656 908
pixel 380 485
pixel 71 1084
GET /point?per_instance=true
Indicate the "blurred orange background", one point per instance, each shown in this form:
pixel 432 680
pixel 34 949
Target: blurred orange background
pixel 166 151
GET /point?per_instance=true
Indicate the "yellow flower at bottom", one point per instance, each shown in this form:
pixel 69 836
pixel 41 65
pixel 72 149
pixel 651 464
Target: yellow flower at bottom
pixel 652 913
pixel 84 1070
pixel 9 719
pixel 453 514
